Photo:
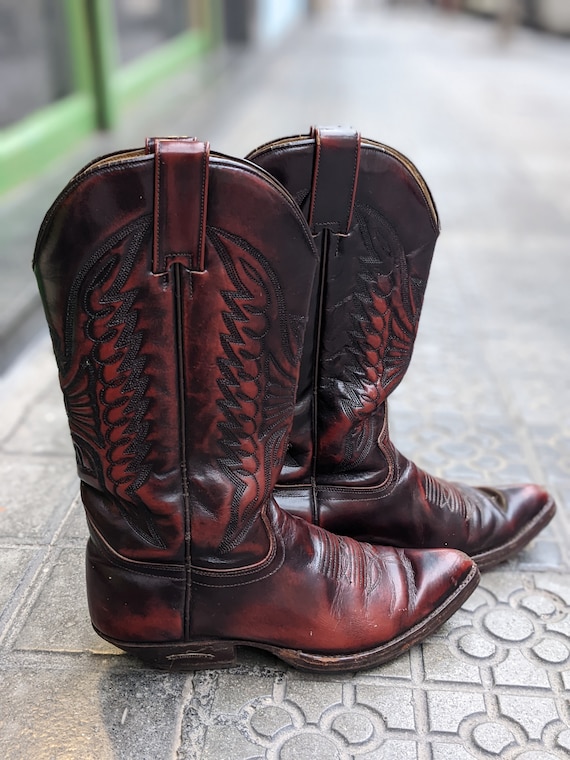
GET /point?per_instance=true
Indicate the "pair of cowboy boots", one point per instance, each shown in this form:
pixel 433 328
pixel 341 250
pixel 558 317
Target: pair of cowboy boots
pixel 227 333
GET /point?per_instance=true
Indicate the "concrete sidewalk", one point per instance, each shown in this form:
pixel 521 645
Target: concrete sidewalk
pixel 486 400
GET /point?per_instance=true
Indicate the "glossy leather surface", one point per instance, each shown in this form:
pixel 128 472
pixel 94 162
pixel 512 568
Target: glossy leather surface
pixel 342 471
pixel 179 370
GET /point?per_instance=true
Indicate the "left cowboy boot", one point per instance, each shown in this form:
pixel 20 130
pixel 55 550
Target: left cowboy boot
pixel 373 217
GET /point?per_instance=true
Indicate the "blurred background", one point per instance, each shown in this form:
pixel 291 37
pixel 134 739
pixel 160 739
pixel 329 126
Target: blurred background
pixel 452 83
pixel 71 66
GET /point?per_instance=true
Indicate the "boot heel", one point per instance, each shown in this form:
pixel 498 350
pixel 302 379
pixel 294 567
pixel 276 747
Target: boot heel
pixel 190 656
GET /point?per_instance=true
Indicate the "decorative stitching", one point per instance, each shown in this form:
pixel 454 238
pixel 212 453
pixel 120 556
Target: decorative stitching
pixel 445 496
pixel 255 426
pixel 64 354
pixel 113 431
pixel 383 332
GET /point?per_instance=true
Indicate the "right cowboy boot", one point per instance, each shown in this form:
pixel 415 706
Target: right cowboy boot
pixel 163 279
pixel 373 217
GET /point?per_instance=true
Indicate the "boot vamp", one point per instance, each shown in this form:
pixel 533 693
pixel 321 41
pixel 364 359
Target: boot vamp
pixel 412 508
pixel 329 594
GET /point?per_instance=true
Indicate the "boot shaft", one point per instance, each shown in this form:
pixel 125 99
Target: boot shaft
pixel 375 223
pixel 178 348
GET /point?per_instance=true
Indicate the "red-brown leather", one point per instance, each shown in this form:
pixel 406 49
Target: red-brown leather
pixel 342 471
pixel 180 206
pixel 180 390
pixel 336 160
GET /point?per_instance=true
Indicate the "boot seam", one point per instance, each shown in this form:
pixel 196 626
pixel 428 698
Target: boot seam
pixel 126 563
pixel 179 322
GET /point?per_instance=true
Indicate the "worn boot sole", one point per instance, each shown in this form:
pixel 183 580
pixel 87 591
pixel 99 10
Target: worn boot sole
pixel 219 653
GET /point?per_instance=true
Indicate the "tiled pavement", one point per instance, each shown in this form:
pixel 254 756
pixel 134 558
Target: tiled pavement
pixel 487 399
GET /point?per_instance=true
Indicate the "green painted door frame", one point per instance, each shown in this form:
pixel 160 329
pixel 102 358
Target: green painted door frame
pixel 28 145
pixel 102 87
pixel 118 85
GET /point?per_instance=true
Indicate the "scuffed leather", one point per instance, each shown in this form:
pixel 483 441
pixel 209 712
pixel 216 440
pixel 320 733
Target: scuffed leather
pixel 342 471
pixel 180 390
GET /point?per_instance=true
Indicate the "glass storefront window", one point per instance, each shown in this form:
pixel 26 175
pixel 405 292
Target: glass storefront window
pixel 35 61
pixel 143 25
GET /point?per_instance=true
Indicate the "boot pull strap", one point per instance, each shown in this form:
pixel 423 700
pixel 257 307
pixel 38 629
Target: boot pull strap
pixel 335 176
pixel 180 202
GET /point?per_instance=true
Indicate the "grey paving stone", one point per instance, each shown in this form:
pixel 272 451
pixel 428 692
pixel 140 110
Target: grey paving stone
pixel 12 570
pixel 59 618
pixel 393 750
pixel 90 714
pixel 439 666
pixel 454 448
pixel 243 688
pixel 34 495
pixel 43 429
pixel 395 707
pixel 227 744
pixel 395 672
pixel 26 380
pixel 445 714
pixel 553 450
pixel 75 531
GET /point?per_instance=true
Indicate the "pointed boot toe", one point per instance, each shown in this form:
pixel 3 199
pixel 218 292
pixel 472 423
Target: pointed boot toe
pixel 519 513
pixel 403 597
pixel 436 572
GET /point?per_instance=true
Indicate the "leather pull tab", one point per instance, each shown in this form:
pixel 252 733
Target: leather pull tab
pixel 335 176
pixel 180 202
pixel 150 141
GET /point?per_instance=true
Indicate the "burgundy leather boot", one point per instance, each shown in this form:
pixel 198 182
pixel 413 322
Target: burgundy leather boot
pixel 176 285
pixel 375 222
